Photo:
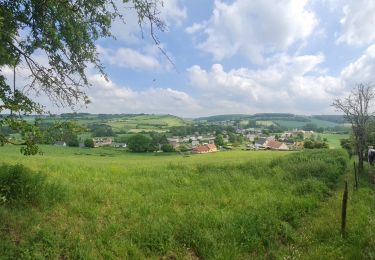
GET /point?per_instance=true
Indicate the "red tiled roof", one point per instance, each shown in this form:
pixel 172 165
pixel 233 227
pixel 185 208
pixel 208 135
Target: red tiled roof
pixel 273 144
pixel 201 149
pixel 211 146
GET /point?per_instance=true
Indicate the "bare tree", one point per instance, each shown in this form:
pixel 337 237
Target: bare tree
pixel 356 108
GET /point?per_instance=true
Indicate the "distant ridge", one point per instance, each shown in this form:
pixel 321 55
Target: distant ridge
pixel 228 117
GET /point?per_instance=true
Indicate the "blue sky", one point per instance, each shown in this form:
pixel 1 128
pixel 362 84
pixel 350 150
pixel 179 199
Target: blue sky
pixel 237 56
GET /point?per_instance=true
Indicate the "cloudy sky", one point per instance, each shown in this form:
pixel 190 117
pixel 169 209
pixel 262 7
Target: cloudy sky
pixel 238 56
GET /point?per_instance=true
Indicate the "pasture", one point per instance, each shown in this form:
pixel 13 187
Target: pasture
pixel 290 124
pixel 227 205
pixel 264 123
pixel 334 139
pixel 127 123
pixel 138 123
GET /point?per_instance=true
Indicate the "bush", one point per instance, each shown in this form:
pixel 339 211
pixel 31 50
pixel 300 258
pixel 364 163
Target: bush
pixel 310 144
pixel 73 142
pixel 167 148
pixel 139 143
pixel 89 143
pixel 19 186
pixel 183 148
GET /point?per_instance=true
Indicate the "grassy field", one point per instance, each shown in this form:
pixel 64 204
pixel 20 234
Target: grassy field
pixel 264 123
pixel 132 123
pixel 334 139
pixel 146 123
pixel 299 124
pixel 227 205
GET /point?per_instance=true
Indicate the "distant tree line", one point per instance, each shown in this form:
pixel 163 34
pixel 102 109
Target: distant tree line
pixel 149 143
pixel 315 142
pixel 200 128
pixel 101 130
pixel 339 119
pixel 67 132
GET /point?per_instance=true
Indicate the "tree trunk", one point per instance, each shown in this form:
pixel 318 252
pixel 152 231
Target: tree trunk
pixel 359 152
pixel 360 162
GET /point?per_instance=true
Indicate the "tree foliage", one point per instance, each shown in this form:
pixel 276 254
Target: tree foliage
pixel 310 127
pixel 101 130
pixel 139 143
pixel 347 144
pixel 167 148
pixel 356 108
pixel 312 144
pixel 64 32
pixel 63 131
pixel 89 143
pixel 219 140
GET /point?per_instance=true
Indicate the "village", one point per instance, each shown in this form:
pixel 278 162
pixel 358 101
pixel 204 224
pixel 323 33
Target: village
pixel 250 139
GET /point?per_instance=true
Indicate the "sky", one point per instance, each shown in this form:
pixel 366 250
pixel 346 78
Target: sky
pixel 238 56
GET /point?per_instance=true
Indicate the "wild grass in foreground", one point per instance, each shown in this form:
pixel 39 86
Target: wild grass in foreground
pixel 319 236
pixel 223 206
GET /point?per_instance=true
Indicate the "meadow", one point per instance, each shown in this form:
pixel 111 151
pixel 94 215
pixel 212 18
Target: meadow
pixel 299 124
pixel 227 205
pixel 334 139
pixel 120 123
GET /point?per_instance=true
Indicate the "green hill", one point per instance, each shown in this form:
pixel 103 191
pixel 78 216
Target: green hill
pixel 282 119
pixel 125 122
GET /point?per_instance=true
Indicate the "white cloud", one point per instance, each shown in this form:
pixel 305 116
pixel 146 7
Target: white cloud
pixel 296 84
pixel 196 27
pixel 108 97
pixel 362 70
pixel 290 84
pixel 254 28
pixel 171 12
pixel 129 58
pixel 358 22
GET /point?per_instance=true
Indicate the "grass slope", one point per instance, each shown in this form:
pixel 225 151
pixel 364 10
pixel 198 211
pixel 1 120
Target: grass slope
pixel 226 205
pixel 133 123
pixel 319 237
pixel 285 120
pixel 299 124
pixel 334 139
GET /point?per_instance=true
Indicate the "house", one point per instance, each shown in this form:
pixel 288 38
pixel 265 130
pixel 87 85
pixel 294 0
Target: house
pixel 194 143
pixel 173 139
pixel 208 148
pixel 250 137
pixel 261 143
pixel 102 141
pixel 60 143
pixel 119 145
pixel 212 147
pixel 276 145
pixel 174 143
pixel 208 139
pixel 200 149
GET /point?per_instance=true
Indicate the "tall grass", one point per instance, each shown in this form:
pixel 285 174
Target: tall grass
pixel 21 187
pixel 319 236
pixel 223 206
